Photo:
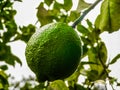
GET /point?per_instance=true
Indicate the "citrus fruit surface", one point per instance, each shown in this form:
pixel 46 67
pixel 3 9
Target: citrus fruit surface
pixel 53 52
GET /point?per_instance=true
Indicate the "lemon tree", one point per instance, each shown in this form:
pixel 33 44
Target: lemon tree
pixel 54 51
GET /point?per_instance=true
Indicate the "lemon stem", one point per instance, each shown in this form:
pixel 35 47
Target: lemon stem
pixel 85 13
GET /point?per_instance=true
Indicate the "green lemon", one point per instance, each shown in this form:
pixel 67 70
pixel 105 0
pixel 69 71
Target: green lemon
pixel 53 52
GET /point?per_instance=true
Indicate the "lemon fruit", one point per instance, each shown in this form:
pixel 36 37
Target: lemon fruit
pixel 53 52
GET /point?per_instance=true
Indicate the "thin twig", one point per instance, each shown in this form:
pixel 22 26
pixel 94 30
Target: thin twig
pixel 85 13
pixel 104 67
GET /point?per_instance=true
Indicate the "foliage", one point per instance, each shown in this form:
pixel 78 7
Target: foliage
pixel 93 47
pixel 9 33
pixel 24 84
pixel 8 30
pixel 106 21
pixel 60 12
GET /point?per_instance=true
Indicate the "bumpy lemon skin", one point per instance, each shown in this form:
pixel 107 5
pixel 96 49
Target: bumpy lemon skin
pixel 53 52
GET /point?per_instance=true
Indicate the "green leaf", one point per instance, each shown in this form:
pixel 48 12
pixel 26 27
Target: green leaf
pixel 57 85
pixel 86 42
pixel 67 5
pixel 7 3
pixel 8 14
pixel 85 50
pixel 54 13
pixel 115 1
pixel 74 77
pixel 57 6
pixel 3 81
pixel 73 15
pixel 82 5
pixel 7 56
pixel 48 2
pixel 4 67
pixel 102 50
pixel 93 57
pixel 3 74
pixel 109 18
pixel 43 15
pixel 1 86
pixel 115 59
pixel 82 29
pixel 6 36
pixel 93 73
pixel 63 18
pixel 27 32
pixel 11 26
pixel 90 25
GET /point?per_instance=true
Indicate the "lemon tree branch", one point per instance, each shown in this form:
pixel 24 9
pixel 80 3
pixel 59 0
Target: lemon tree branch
pixel 85 13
